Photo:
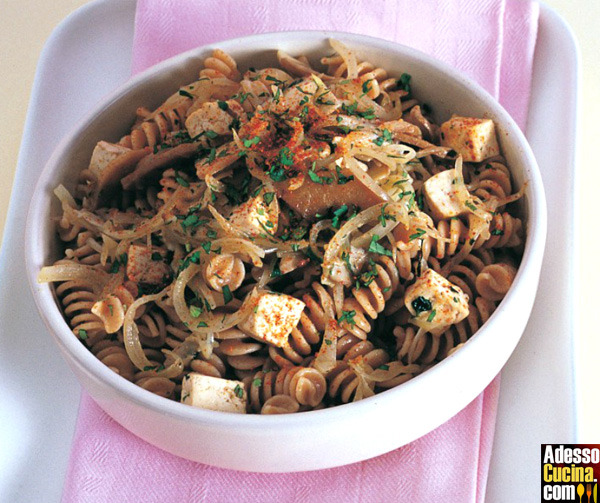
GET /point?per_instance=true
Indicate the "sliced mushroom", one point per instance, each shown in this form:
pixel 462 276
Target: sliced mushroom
pixel 155 162
pixel 110 175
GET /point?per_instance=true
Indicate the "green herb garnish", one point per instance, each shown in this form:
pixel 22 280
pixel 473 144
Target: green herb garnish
pixel 375 247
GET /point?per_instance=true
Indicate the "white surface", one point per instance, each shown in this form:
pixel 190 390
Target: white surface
pixel 209 437
pixel 537 399
pixel 37 415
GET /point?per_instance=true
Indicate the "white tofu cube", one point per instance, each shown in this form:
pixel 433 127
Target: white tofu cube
pixel 442 195
pixel 104 153
pixel 213 393
pixel 146 265
pixel 209 117
pixel 474 139
pixel 435 302
pixel 273 318
pixel 258 216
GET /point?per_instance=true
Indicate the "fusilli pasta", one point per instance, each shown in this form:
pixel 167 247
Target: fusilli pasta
pixel 286 239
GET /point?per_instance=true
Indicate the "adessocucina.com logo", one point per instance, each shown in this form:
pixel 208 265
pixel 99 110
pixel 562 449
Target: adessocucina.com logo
pixel 570 472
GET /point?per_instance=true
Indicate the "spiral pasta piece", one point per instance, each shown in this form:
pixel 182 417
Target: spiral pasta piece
pixel 343 380
pixel 374 79
pixel 494 280
pixel 220 65
pixel 491 182
pixel 87 249
pixel 153 328
pixel 154 131
pixel 280 404
pixel 464 275
pixel 78 298
pixel 305 385
pixel 506 232
pixel 114 356
pixel 225 270
pixel 243 353
pixel 213 366
pixel 372 298
pixel 453 230
pixel 160 386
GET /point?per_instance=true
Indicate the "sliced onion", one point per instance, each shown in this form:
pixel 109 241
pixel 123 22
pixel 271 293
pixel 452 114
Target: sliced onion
pixel 64 196
pixel 354 167
pixel 131 339
pixel 63 271
pixel 326 360
pixel 348 56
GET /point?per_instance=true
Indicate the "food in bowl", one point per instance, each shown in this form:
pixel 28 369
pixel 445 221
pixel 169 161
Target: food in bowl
pixel 286 239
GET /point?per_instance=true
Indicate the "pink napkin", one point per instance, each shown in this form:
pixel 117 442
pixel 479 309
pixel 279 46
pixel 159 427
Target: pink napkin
pixel 492 41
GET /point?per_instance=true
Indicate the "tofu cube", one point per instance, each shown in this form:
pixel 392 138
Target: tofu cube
pixel 474 139
pixel 146 265
pixel 273 318
pixel 258 216
pixel 213 393
pixel 104 153
pixel 209 117
pixel 435 302
pixel 442 195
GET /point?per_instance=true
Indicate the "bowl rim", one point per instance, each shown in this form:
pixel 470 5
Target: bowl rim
pixel 82 356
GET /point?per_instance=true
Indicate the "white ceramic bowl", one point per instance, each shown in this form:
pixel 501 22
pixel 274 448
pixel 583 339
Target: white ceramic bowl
pixel 316 439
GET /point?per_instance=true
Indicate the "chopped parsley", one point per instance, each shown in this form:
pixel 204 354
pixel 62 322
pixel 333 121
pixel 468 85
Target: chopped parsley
pixel 385 136
pixel 323 180
pixel 257 383
pixel 223 105
pixel 183 92
pixel 346 259
pixel 385 216
pixel 470 205
pixel 195 311
pixel 420 233
pixel 337 215
pixel 83 335
pixel 276 80
pixel 352 109
pixel 286 156
pixel 367 277
pixel 348 317
pixel 375 247
pixel 342 179
pixel 116 265
pixel 268 197
pixel 366 87
pixel 181 181
pixel 227 296
pixel 251 142
pixel 276 270
pixel 421 304
pixel 404 82
pixel 277 174
pixel 238 390
pixel 497 232
pixel 431 316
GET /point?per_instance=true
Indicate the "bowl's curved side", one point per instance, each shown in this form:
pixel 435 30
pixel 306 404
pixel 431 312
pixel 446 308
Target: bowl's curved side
pixel 317 439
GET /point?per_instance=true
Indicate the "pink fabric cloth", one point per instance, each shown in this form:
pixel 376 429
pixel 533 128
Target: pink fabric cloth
pixel 491 41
